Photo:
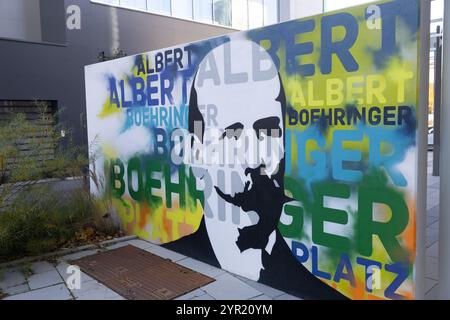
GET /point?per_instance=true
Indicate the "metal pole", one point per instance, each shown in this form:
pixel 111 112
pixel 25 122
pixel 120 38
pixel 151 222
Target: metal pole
pixel 437 103
pixel 444 199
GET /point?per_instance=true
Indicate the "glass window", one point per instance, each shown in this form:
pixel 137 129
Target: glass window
pixel 239 14
pixel 134 4
pixel 161 6
pixel 270 12
pixel 434 25
pixel 437 9
pixel 203 10
pixel 33 20
pixel 331 5
pixel 182 8
pixel 222 12
pixel 20 20
pixel 112 2
pixel 255 14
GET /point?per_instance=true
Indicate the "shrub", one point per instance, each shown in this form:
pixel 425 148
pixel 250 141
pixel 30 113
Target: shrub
pixel 35 216
pixel 42 220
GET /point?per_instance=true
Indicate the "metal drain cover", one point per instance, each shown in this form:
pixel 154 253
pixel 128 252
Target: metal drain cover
pixel 136 274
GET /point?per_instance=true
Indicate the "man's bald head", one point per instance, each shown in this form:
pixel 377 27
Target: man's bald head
pixel 240 80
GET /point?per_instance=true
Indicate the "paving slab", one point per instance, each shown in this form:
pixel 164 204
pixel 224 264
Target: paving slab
pixel 227 287
pixel 268 291
pixel 434 225
pixel 191 295
pixel 41 267
pixel 57 292
pixel 435 185
pixel 78 255
pixel 432 232
pixel 432 200
pixel 432 268
pixel 430 240
pixel 286 296
pixel 204 297
pixel 433 250
pixel 45 279
pixel 142 244
pixel 165 253
pixel 12 277
pixel 117 245
pixel 433 294
pixel 262 297
pixel 431 219
pixel 201 267
pixel 433 211
pixel 17 289
pixel 429 284
pixel 94 290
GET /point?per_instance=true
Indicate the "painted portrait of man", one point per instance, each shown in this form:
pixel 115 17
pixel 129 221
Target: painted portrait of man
pixel 237 99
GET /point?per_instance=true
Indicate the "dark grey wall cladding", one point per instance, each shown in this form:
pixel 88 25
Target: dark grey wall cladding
pixel 53 21
pixel 30 71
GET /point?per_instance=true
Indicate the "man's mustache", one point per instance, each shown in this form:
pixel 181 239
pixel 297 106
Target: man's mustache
pixel 253 189
pixel 266 197
pixel 237 198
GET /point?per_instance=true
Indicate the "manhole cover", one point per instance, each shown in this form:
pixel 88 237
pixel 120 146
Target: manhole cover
pixel 136 274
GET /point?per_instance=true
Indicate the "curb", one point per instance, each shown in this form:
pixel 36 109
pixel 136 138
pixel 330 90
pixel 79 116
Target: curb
pixel 64 252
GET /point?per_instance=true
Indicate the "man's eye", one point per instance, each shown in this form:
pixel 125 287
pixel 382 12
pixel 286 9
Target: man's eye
pixel 232 133
pixel 263 133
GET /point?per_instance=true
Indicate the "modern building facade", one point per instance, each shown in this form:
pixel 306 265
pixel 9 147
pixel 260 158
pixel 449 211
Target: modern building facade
pixel 45 45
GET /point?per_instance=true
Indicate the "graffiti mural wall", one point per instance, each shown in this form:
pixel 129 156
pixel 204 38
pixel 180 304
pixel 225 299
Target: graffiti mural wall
pixel 285 154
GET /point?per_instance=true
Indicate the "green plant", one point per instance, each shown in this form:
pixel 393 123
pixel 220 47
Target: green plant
pixel 35 215
pixel 26 270
pixel 42 220
pixel 2 294
pixel 34 149
pixel 53 260
pixel 117 53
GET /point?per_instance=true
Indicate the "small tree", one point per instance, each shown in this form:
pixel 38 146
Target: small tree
pixel 117 53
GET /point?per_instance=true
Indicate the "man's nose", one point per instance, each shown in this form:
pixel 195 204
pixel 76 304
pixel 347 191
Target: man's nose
pixel 250 172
